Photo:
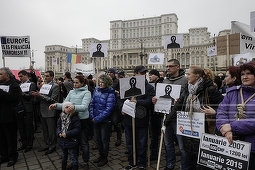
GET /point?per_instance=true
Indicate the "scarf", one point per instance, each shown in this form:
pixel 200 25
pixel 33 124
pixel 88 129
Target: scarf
pixel 192 103
pixel 66 120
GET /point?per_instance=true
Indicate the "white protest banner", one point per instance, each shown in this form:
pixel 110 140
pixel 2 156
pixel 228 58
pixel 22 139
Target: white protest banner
pixel 156 58
pixel 215 152
pixel 98 50
pixel 25 87
pixel 173 41
pixel 184 124
pixel 212 51
pixel 166 95
pixel 86 69
pixel 45 89
pixel 247 38
pixel 129 108
pixel 15 46
pixel 132 86
pixel 240 59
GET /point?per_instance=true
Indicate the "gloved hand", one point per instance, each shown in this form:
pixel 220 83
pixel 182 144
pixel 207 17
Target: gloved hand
pixel 163 129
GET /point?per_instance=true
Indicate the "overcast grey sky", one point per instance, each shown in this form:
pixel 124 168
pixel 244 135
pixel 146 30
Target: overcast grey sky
pixel 66 22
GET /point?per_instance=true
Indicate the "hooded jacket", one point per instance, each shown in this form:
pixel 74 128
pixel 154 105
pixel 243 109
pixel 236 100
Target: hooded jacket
pixel 80 98
pixel 102 105
pixel 227 110
pixel 72 133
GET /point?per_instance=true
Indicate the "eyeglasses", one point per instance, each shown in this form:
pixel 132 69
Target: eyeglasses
pixel 171 66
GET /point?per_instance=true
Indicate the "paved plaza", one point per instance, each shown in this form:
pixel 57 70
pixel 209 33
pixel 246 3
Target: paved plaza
pixel 117 159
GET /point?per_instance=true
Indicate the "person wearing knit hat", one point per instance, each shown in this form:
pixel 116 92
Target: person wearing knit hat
pixel 68 131
pixel 111 70
pixel 154 72
pixel 154 75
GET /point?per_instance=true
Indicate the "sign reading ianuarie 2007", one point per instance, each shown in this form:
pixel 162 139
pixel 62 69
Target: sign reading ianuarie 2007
pixel 215 152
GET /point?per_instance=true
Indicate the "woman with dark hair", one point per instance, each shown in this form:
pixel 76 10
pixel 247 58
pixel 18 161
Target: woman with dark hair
pixel 100 110
pixel 80 98
pixel 236 113
pixel 233 76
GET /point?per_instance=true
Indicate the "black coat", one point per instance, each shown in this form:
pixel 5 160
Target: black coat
pixel 27 98
pixel 8 101
pixel 191 145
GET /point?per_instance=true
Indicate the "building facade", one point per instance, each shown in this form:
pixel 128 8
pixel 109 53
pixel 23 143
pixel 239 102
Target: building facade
pixel 131 42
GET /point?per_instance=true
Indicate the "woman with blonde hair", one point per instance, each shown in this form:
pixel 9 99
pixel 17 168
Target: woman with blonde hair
pixel 100 110
pixel 201 96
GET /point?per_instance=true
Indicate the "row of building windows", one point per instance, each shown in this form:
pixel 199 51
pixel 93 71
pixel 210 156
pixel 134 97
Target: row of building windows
pixel 142 22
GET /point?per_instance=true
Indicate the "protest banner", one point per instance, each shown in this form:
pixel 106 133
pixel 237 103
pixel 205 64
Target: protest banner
pixel 215 152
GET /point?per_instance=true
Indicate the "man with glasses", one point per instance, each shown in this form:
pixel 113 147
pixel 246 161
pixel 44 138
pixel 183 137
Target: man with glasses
pixel 48 94
pixel 175 75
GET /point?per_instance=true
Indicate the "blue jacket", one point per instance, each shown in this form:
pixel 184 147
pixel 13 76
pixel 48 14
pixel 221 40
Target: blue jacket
pixel 72 133
pixel 80 97
pixel 102 105
pixel 227 110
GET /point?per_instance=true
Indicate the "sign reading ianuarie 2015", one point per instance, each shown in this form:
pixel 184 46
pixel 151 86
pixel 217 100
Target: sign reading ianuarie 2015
pixel 216 152
pixel 15 46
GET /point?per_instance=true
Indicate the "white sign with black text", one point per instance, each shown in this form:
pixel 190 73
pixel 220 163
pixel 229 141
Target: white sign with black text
pixel 184 124
pixel 215 152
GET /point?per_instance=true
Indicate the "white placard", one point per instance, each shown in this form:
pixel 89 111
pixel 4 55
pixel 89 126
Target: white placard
pixel 86 69
pixel 212 51
pixel 5 88
pixel 173 41
pixel 54 61
pixel 129 108
pixel 25 87
pixel 166 94
pixel 156 58
pixel 15 46
pixel 98 50
pixel 184 124
pixel 215 152
pixel 132 86
pixel 45 89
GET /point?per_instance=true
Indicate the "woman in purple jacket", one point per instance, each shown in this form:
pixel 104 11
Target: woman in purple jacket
pixel 100 110
pixel 236 114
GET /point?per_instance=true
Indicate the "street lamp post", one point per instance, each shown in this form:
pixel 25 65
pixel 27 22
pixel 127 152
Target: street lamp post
pixel 32 60
pixel 142 54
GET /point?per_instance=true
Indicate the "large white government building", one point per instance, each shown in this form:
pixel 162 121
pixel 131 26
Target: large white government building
pixel 131 42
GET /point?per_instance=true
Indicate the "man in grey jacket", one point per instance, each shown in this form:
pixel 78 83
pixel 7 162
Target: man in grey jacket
pixel 175 75
pixel 48 94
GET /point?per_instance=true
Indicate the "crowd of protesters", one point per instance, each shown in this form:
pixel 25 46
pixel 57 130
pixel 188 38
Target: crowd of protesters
pixel 72 111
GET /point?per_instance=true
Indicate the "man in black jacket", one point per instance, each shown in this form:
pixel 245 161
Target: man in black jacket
pixel 25 122
pixel 9 98
pixel 143 108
